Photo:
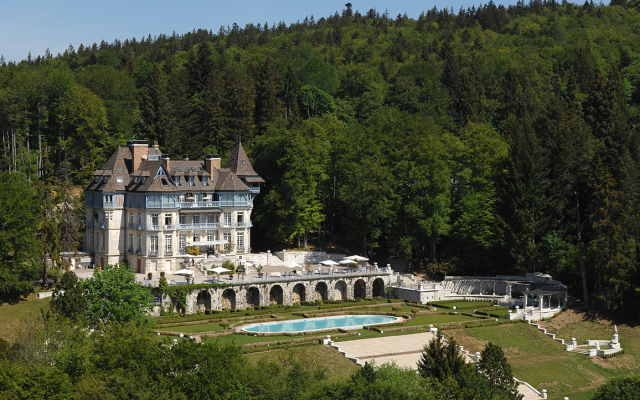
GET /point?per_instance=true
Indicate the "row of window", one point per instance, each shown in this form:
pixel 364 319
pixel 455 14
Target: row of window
pixel 101 238
pixel 209 218
pixel 97 199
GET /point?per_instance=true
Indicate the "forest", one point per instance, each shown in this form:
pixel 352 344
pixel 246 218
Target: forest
pixel 491 140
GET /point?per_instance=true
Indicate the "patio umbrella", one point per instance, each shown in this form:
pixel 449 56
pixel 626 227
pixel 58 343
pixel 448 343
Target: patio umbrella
pixel 186 272
pixel 219 270
pixel 357 258
pixel 345 262
pixel 293 264
pixel 328 262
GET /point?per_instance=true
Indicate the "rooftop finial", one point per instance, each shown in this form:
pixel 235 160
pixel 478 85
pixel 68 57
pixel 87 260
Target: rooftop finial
pixel 155 145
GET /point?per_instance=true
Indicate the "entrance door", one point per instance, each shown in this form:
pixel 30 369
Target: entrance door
pixel 139 265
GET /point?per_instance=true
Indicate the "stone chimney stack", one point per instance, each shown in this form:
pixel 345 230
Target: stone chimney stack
pixel 139 151
pixel 185 157
pixel 166 159
pixel 211 162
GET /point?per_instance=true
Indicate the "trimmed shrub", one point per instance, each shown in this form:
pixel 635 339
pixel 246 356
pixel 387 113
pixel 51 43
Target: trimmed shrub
pixel 396 307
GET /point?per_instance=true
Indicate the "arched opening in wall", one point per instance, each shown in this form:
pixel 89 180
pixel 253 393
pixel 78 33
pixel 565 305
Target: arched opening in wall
pixel 321 291
pixel 253 297
pixel 275 295
pixel 360 289
pixel 229 299
pixel 298 293
pixel 378 288
pixel 203 302
pixel 341 291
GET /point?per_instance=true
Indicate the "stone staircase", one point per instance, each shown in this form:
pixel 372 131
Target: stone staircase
pixel 581 351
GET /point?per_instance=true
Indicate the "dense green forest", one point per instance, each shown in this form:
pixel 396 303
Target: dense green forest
pixel 491 140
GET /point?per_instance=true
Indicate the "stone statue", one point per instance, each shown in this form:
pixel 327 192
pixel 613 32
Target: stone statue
pixel 615 329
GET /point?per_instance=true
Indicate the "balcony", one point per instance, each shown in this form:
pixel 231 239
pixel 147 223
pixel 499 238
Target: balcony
pixel 130 250
pixel 168 252
pixel 101 225
pixel 89 224
pixel 139 251
pixel 169 227
pixel 206 226
pixel 153 253
pixel 244 224
pixel 135 226
pixel 198 204
pixel 154 228
pixel 255 190
pixel 240 248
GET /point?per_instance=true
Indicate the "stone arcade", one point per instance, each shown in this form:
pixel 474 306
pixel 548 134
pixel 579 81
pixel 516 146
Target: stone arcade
pixel 283 291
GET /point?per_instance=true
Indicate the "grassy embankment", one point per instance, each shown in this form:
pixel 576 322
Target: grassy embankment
pixel 11 314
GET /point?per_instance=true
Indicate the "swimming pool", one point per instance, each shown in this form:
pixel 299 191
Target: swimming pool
pixel 314 324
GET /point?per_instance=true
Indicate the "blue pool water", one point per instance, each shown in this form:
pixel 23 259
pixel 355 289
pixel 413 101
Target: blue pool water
pixel 312 324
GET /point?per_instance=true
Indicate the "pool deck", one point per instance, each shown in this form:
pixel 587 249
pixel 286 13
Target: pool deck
pixel 246 328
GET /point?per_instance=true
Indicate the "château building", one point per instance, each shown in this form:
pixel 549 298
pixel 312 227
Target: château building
pixel 146 209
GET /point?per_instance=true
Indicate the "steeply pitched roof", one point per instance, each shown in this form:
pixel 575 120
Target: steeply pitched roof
pixel 229 182
pixel 114 168
pixel 239 163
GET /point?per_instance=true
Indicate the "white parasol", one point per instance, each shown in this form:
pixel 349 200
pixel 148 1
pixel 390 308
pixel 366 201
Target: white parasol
pixel 293 264
pixel 219 270
pixel 357 258
pixel 328 262
pixel 345 262
pixel 186 272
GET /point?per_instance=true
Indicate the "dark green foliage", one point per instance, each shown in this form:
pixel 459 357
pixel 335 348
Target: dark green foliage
pixel 620 388
pixel 19 245
pixel 494 140
pixel 69 298
pixel 114 296
pixel 441 360
pixel 493 364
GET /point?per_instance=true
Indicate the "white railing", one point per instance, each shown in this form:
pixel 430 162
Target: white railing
pixel 154 227
pixel 205 226
pixel 135 226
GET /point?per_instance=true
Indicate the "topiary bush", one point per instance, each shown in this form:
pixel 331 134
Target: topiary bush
pixel 396 307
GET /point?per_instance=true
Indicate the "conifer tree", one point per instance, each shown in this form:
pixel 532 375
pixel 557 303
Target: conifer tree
pixel 267 106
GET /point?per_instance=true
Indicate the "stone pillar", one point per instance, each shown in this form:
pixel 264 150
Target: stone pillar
pixel 541 302
pixel 525 303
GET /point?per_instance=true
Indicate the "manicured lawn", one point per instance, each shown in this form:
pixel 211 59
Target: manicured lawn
pixel 10 314
pixel 463 304
pixel 193 328
pixel 543 362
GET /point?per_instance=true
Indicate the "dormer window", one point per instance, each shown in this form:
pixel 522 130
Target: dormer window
pixel 204 181
pixel 190 180
pixel 106 179
pixel 119 179
pixel 96 179
pixel 135 179
pixel 176 180
pixel 244 162
pixel 144 180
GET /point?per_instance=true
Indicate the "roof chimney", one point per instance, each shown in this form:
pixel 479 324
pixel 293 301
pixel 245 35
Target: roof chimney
pixel 185 157
pixel 166 159
pixel 211 162
pixel 138 148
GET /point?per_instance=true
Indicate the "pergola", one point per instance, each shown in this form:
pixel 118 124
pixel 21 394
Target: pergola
pixel 544 297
